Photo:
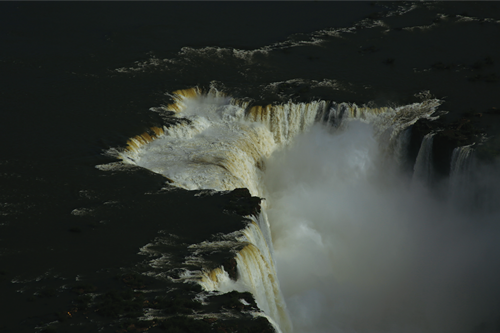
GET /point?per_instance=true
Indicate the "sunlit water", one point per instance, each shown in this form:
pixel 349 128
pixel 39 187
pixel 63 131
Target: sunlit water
pixel 359 245
pixel 359 248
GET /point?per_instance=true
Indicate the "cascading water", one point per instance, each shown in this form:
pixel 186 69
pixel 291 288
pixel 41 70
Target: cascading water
pixel 257 274
pixel 423 169
pixel 462 162
pixel 359 250
pixel 336 209
pixel 461 171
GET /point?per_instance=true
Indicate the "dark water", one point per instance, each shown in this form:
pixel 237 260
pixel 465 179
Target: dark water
pixel 77 79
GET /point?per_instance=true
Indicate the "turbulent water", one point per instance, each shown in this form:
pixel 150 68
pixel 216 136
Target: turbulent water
pixel 379 209
pixel 359 245
pixel 377 252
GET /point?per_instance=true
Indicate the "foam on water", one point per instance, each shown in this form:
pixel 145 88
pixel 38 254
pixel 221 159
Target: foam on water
pixel 347 233
pixel 256 274
pixel 224 142
pixel 359 249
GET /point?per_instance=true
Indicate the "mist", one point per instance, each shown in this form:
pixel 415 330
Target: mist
pixel 361 247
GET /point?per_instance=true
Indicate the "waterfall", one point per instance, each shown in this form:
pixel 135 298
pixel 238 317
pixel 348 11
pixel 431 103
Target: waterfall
pixel 400 157
pixel 461 168
pixel 256 274
pixel 462 163
pixel 424 170
pixel 221 143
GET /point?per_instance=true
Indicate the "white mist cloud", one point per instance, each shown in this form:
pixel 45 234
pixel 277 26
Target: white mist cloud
pixel 360 249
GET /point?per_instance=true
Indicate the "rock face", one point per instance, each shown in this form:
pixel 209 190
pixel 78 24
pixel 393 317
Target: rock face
pixel 242 203
pixel 153 293
pixel 448 136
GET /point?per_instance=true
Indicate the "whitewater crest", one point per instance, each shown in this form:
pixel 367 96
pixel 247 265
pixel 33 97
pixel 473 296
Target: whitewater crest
pixel 221 143
pixel 256 274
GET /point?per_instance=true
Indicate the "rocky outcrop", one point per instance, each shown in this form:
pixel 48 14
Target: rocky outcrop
pixel 158 294
pixel 242 203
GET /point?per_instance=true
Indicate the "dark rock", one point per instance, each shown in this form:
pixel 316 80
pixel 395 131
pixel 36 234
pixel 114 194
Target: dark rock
pixel 488 61
pixel 369 49
pixel 242 203
pixel 230 266
pixel 440 66
pixel 490 78
pixel 493 110
pixel 134 281
pixel 389 61
pixel 489 151
pixel 84 288
pixel 75 230
pixel 375 16
pixel 117 304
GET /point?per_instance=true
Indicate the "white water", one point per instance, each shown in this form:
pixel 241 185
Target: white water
pixel 423 170
pixel 257 274
pixel 461 168
pixel 464 187
pixel 357 249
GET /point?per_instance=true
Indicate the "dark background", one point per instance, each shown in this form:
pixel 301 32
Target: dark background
pixel 64 104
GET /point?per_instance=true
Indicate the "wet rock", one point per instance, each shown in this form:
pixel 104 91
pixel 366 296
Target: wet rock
pixel 389 61
pixel 490 78
pixel 440 66
pixel 242 203
pixel 134 281
pixel 369 49
pixel 230 266
pixel 84 288
pixel 375 16
pixel 494 110
pixel 487 61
